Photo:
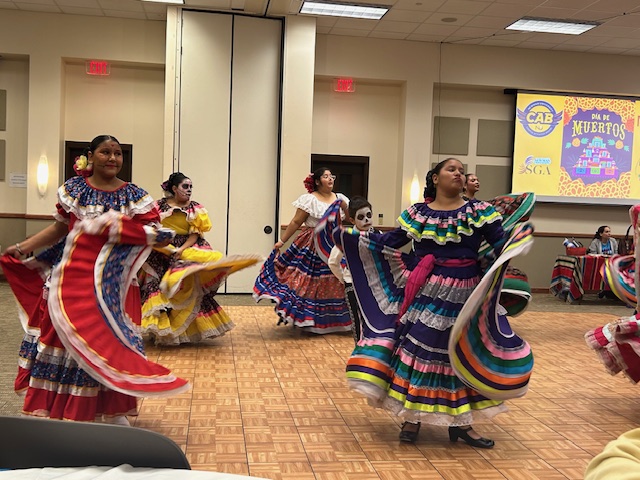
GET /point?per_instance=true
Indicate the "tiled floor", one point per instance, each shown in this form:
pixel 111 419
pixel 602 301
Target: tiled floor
pixel 272 402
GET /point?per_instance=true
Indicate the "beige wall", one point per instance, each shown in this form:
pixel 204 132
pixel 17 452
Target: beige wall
pixel 413 68
pixel 49 40
pixel 14 78
pixel 129 104
pixel 365 123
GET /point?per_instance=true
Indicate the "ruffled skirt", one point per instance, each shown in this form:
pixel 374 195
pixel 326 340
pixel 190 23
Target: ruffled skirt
pixel 82 356
pixel 404 365
pixel 305 291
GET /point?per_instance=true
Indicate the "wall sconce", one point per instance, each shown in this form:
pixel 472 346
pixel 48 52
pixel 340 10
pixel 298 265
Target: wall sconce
pixel 414 192
pixel 42 175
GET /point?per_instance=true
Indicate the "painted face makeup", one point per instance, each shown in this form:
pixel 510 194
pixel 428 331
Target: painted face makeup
pixel 183 191
pixel 363 219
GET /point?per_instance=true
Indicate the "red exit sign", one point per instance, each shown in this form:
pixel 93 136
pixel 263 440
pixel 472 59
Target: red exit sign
pixel 344 85
pixel 97 67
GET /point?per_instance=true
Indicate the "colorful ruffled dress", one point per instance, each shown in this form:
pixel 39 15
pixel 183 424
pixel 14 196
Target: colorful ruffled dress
pixel 82 356
pixel 617 343
pixel 402 363
pixel 178 294
pixel 301 284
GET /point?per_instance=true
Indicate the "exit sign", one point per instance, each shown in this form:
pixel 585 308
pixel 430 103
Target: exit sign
pixel 344 85
pixel 98 68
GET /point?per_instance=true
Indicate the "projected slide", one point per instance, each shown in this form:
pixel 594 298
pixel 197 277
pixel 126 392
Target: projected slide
pixel 577 149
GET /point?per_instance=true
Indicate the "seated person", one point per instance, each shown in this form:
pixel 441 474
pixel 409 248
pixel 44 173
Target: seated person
pixel 603 243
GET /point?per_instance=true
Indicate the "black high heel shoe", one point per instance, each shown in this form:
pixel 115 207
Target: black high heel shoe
pixel 409 436
pixel 463 433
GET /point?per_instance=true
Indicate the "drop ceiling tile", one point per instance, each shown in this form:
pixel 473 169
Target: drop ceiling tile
pixel 397 27
pixel 323 29
pixel 326 21
pixel 606 31
pixel 499 42
pixel 38 2
pixel 78 3
pixel 546 12
pixel 422 5
pixel 125 14
pixel 8 6
pixel 553 38
pixel 436 18
pixel 81 11
pixel 536 45
pixel 40 8
pixel 463 6
pixel 389 35
pixel 431 29
pixel 577 4
pixel 349 32
pixel 624 21
pixel 614 6
pixel 355 24
pixel 489 22
pixel 121 5
pixel 507 10
pixel 406 15
pixel 622 43
pixel 425 38
pixel 571 48
pixel 585 39
pixel 605 50
pixel 471 32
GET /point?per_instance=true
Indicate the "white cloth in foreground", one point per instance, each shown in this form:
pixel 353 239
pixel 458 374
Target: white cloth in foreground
pixel 122 472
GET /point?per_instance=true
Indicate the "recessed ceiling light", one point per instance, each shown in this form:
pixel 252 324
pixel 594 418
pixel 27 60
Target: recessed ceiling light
pixel 551 25
pixel 372 12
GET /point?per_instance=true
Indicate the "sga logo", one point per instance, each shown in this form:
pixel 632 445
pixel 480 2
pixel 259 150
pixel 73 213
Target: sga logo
pixel 539 118
pixel 535 166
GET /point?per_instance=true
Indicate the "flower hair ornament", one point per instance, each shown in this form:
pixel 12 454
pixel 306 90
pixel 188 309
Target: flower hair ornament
pixel 310 183
pixel 165 185
pixel 82 166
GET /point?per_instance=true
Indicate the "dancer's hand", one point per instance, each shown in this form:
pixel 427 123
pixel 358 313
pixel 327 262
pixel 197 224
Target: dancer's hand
pixel 12 251
pixel 278 245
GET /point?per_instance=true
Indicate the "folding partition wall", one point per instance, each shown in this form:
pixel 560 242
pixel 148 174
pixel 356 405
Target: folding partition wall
pixel 228 128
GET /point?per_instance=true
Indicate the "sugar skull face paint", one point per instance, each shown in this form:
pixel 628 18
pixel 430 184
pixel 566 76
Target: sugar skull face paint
pixel 363 219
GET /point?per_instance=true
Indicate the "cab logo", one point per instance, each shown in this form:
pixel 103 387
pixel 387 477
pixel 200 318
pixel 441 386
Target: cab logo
pixel 535 166
pixel 539 118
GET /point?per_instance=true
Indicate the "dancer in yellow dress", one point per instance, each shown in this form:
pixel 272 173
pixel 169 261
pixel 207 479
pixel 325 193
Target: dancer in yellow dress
pixel 181 280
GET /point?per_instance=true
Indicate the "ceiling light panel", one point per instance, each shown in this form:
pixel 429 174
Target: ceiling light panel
pixel 549 25
pixel 372 12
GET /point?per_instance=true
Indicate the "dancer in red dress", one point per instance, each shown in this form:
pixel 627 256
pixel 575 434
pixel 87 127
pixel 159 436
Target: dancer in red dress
pixel 82 355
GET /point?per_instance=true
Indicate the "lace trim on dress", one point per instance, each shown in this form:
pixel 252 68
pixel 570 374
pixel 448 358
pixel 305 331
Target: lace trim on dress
pixel 85 202
pixel 420 221
pixel 315 207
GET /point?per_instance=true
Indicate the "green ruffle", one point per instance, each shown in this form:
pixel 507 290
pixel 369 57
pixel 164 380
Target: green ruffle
pixel 446 226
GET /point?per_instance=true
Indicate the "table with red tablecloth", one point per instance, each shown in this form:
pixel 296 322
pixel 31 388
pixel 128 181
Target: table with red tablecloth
pixel 572 276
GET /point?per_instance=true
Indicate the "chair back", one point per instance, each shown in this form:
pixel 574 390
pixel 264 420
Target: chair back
pixel 29 442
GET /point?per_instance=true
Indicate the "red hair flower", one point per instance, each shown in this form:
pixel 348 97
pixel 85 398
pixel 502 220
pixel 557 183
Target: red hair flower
pixel 310 183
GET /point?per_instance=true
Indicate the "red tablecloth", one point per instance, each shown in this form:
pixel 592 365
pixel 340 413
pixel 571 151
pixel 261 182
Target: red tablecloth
pixel 572 276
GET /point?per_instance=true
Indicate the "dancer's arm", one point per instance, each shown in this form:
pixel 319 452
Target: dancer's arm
pixel 295 223
pixel 43 238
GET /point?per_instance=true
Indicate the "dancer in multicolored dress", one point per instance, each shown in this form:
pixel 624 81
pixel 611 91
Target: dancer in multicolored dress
pixel 301 284
pixel 180 281
pixel 82 356
pixel 411 302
